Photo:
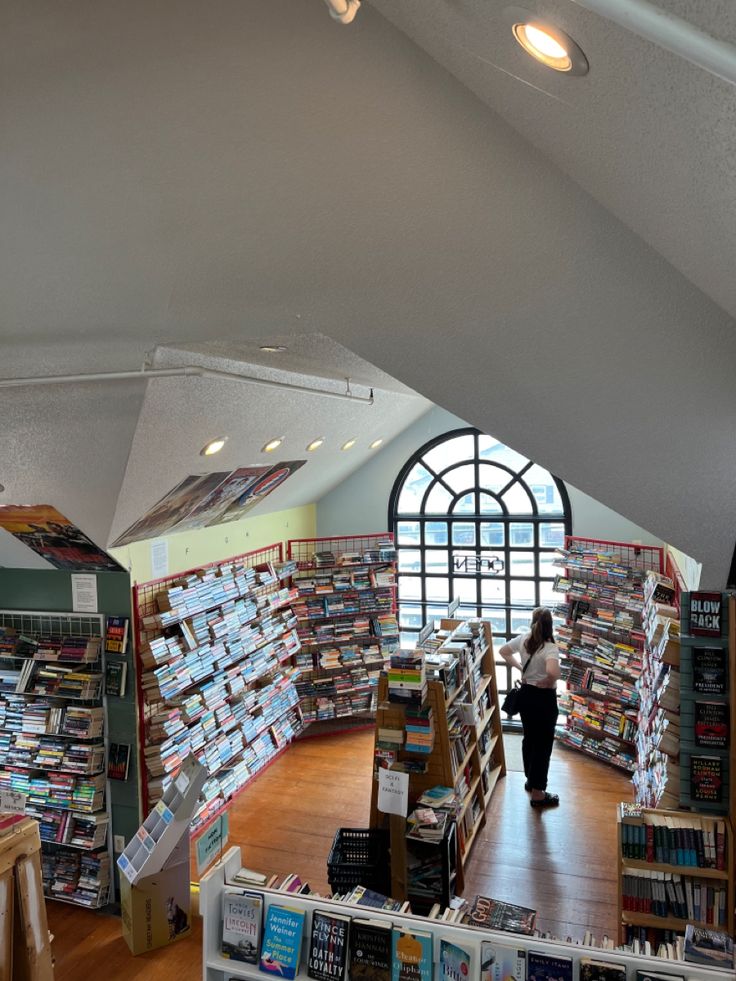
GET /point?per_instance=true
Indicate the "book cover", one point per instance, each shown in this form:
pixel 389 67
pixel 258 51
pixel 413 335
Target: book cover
pixel 593 970
pixel 116 673
pixel 706 778
pixel 706 614
pixel 495 915
pixel 711 724
pixel 242 921
pixel 709 670
pixel 709 947
pixel 655 976
pixel 370 951
pixel 500 963
pixel 118 761
pixel 282 941
pixel 116 635
pixel 411 958
pixel 454 962
pixel 328 946
pixel 368 897
pixel 548 967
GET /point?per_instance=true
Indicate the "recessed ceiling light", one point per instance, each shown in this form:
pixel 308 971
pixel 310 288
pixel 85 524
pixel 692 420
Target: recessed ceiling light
pixel 315 444
pixel 350 443
pixel 272 444
pixel 273 348
pixel 213 447
pixel 546 43
pixel 375 444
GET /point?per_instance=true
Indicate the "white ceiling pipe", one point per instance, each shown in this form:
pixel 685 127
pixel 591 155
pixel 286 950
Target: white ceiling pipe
pixel 343 11
pixel 669 32
pixel 185 370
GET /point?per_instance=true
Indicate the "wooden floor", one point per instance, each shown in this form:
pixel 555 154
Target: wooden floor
pixel 561 862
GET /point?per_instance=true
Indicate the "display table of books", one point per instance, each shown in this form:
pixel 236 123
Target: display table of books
pixel 252 932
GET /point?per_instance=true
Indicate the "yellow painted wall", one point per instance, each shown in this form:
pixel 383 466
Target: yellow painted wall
pixel 190 549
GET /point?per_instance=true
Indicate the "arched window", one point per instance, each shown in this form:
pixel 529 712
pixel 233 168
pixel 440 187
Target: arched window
pixel 476 521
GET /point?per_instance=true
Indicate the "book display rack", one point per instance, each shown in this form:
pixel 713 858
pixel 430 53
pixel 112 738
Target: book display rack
pixel 465 753
pixel 602 643
pixel 675 868
pixel 53 745
pixel 346 614
pixel 216 649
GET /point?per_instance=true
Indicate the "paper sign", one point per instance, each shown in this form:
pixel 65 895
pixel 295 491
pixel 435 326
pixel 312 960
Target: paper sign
pixel 211 844
pixel 393 792
pixel 159 558
pixel 12 802
pixel 84 593
pixel 181 783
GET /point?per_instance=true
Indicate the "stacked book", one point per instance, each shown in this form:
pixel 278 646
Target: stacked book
pixel 407 680
pixel 419 729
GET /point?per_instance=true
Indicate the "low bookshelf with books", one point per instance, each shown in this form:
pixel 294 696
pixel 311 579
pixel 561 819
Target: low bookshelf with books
pixel 251 930
pixel 601 644
pixel 216 649
pixel 53 745
pixel 675 869
pixel 345 607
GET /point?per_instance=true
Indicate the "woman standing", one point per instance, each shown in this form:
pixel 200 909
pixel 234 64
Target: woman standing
pixel 539 661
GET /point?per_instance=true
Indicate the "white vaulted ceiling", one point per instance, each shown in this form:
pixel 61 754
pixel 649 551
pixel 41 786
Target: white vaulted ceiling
pixel 552 263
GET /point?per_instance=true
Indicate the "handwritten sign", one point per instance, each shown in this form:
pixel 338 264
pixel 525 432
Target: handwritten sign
pixel 393 792
pixel 12 802
pixel 212 842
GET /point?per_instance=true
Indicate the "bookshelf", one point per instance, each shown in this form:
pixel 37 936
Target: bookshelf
pixel 673 868
pixel 216 649
pixel 601 643
pixel 53 741
pixel 467 752
pixel 346 614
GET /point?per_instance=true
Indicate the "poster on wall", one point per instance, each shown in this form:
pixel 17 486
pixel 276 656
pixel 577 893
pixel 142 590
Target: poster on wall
pixel 52 536
pixel 204 500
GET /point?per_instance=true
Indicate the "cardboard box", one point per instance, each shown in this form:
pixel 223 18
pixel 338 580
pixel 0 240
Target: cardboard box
pixel 157 909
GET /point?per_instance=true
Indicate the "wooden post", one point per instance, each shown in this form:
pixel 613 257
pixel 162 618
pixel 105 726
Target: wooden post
pixel 7 891
pixel 29 950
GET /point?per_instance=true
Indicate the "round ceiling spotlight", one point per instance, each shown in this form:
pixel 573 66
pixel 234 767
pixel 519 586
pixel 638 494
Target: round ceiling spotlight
pixel 315 444
pixel 272 444
pixel 375 444
pixel 273 348
pixel 546 43
pixel 349 445
pixel 213 447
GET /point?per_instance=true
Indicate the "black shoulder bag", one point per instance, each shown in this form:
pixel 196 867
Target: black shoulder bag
pixel 510 704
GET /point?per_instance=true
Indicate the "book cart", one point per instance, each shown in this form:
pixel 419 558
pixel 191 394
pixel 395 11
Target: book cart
pixel 481 765
pixel 215 674
pixel 602 643
pixel 54 744
pixel 347 626
pixel 218 968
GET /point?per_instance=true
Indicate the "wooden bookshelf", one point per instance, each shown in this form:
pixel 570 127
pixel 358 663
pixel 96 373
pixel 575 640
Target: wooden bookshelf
pixel 719 878
pixel 483 762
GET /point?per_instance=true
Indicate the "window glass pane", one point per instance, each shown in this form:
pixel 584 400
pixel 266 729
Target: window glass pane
pixel 547 595
pixel 518 500
pixel 410 560
pixel 464 589
pixel 410 587
pixel 490 449
pixel 493 590
pixel 435 533
pixel 521 534
pixel 520 621
pixel 551 535
pixel 492 533
pixel 435 560
pixel 522 564
pixel 460 478
pixel 466 611
pixel 493 478
pixel 544 489
pixel 546 564
pixel 463 534
pixel 411 615
pixel 497 620
pixel 454 450
pixel 494 563
pixel 436 612
pixel 407 533
pixel 466 505
pixel 522 592
pixel 488 505
pixel 408 640
pixel 412 491
pixel 437 589
pixel 438 500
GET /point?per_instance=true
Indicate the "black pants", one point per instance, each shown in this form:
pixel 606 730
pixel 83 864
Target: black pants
pixel 538 717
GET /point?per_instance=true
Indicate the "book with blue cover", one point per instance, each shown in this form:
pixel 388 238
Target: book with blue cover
pixel 282 942
pixel 411 956
pixel 454 962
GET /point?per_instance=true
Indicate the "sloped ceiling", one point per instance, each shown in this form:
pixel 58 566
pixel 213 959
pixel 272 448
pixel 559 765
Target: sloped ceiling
pixel 183 174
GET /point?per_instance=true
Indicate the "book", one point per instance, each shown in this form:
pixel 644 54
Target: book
pixel 499 963
pixel 116 673
pixel 593 970
pixel 242 923
pixel 368 897
pixel 116 635
pixel 709 670
pixel 328 946
pixel 548 967
pixel 454 962
pixel 711 724
pixel 492 914
pixel 282 941
pixel 706 778
pixel 118 761
pixel 709 947
pixel 655 976
pixel 370 950
pixel 411 955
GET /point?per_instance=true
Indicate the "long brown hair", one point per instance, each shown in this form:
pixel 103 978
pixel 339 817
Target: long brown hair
pixel 541 630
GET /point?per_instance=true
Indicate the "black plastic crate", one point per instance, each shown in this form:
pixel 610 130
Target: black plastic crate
pixel 359 856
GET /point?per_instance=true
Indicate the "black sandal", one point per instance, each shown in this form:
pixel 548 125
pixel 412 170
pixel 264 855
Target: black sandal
pixel 527 786
pixel 549 800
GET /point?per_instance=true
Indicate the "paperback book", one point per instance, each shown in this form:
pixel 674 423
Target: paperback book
pixel 116 673
pixel 548 967
pixel 454 962
pixel 282 941
pixel 370 951
pixel 711 724
pixel 709 670
pixel 706 779
pixel 118 761
pixel 116 635
pixel 709 947
pixel 411 956
pixel 593 970
pixel 491 914
pixel 499 963
pixel 328 947
pixel 242 920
